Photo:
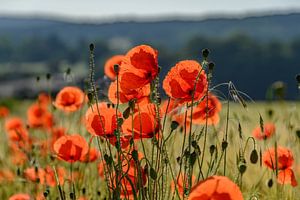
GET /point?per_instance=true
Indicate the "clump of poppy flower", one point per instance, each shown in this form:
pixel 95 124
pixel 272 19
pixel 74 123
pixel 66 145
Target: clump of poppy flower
pixel 69 99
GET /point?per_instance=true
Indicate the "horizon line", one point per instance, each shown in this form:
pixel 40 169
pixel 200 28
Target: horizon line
pixel 149 19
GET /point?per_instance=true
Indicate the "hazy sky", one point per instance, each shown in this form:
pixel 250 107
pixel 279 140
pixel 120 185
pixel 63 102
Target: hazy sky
pixel 101 9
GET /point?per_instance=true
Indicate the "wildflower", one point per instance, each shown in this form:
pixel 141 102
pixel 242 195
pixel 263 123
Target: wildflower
pixel 69 99
pixel 139 68
pixel 137 94
pixel 70 147
pixel 136 125
pixel 4 112
pixel 39 117
pixel 20 196
pixel 44 99
pixel 217 188
pixel 285 161
pixel 101 120
pixel 180 81
pixel 269 130
pixel 109 66
pixel 208 109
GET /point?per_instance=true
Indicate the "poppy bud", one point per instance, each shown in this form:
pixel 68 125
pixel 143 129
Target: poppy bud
pixel 68 71
pixel 298 133
pixel 131 104
pixel 270 113
pixel 48 76
pixel 134 154
pixel 224 145
pixel 211 66
pixel 72 196
pixel 83 190
pixel 298 78
pixel 116 69
pixel 205 53
pixel 254 156
pixel 98 193
pixel 242 166
pixel 212 149
pixel 174 125
pixel 38 78
pixel 92 47
pixel 153 174
pixel 270 183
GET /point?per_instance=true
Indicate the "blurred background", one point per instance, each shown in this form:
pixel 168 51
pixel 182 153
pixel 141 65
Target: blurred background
pixel 253 43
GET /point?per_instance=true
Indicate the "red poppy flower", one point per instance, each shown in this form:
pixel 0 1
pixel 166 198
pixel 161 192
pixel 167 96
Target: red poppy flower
pixel 4 112
pixel 137 94
pixel 39 117
pixel 109 66
pixel 284 155
pixel 69 99
pixel 285 161
pixel 180 81
pixel 139 68
pixel 269 130
pixel 101 170
pixel 70 147
pixel 208 108
pixel 19 197
pixel 16 130
pixel 101 120
pixel 145 113
pixel 216 188
pixel 35 175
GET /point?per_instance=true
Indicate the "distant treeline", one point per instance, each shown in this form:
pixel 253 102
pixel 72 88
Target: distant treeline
pixel 251 64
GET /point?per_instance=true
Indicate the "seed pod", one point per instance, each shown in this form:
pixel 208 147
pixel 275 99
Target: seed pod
pixel 254 156
pixel 224 145
pixel 205 53
pixel 242 166
pixel 174 125
pixel 212 149
pixel 92 47
pixel 270 183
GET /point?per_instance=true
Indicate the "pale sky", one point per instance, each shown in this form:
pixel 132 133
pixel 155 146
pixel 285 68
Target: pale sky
pixel 100 9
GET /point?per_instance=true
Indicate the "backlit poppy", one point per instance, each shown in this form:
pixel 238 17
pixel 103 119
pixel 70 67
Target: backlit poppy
pixel 139 68
pixel 137 94
pixel 16 130
pixel 109 66
pixel 70 147
pixel 44 99
pixel 39 117
pixel 216 188
pixel 285 161
pixel 6 175
pixel 19 197
pixel 35 174
pixel 181 79
pixel 50 176
pixel 145 113
pixel 69 99
pixel 4 112
pixel 269 130
pixel 101 120
pixel 208 108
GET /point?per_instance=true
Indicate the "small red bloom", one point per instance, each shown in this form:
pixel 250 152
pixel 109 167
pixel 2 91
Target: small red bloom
pixel 109 66
pixel 91 156
pixel 69 99
pixel 145 113
pixel 4 112
pixel 269 130
pixel 39 117
pixel 71 147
